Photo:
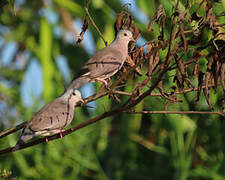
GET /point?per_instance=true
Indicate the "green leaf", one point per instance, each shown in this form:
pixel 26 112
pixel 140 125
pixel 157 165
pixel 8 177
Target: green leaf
pixel 47 64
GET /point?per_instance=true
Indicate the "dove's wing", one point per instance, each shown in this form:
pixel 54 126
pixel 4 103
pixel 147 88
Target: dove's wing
pixel 55 115
pixel 104 63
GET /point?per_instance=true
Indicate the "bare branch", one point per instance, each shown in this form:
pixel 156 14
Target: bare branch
pixel 175 112
pixel 69 131
pixel 96 27
pixel 12 130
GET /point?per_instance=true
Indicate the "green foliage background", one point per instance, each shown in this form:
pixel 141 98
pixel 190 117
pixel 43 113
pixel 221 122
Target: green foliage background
pixel 120 147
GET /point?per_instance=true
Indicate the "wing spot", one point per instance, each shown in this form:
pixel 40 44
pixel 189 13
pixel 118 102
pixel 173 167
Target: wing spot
pixel 51 119
pixel 40 119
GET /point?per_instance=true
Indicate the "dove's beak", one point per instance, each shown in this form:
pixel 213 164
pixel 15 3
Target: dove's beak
pixel 82 102
pixel 132 39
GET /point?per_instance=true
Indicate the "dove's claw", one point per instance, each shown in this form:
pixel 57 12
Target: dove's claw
pixel 61 131
pixel 105 83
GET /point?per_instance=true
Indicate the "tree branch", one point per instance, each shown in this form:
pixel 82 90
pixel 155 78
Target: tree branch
pixel 175 112
pixel 12 130
pixel 69 131
pixel 101 93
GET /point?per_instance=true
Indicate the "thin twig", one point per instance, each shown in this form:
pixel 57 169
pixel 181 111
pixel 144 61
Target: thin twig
pixel 96 27
pixel 175 112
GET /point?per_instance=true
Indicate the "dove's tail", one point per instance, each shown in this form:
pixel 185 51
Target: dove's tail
pixel 27 134
pixel 78 82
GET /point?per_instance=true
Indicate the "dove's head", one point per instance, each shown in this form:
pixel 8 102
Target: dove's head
pixel 125 35
pixel 76 97
pixel 73 96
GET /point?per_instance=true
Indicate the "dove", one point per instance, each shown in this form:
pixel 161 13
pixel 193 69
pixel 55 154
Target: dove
pixel 106 62
pixel 51 118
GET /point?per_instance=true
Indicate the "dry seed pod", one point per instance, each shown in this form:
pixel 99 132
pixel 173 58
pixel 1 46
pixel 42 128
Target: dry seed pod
pixel 84 28
pixel 119 22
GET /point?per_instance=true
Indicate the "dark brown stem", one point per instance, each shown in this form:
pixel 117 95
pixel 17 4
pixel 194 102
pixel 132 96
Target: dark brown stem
pixel 96 27
pixel 175 112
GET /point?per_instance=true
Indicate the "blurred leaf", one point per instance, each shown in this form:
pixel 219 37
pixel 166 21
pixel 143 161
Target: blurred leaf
pixel 11 4
pixel 144 5
pixel 181 123
pixel 48 67
pixel 71 6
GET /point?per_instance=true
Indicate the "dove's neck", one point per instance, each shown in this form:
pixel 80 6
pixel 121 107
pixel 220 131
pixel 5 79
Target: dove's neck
pixel 121 46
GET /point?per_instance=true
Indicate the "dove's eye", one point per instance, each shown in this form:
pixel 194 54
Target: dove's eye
pixel 125 34
pixel 74 94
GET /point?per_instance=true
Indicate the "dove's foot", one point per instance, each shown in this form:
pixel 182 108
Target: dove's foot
pixel 60 133
pixel 105 83
pixel 46 139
